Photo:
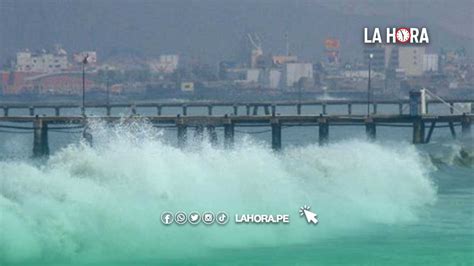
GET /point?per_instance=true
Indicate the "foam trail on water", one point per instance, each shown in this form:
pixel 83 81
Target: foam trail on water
pixel 104 202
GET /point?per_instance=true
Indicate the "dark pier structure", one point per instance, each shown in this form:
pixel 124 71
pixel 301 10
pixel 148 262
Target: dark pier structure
pixel 422 124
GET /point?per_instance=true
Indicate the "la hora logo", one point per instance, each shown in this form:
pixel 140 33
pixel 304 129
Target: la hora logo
pixel 400 35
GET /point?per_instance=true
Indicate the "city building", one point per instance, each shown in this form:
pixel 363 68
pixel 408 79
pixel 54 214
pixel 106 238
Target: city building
pixel 270 78
pixel 294 72
pixel 252 75
pixel 410 58
pixel 59 83
pixel 42 62
pixel 90 55
pixel 165 64
pixel 430 63
pixel 332 47
pixel 378 57
pixel 283 59
pixel 224 70
pixel 384 57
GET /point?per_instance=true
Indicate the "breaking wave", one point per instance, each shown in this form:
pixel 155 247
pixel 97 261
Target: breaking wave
pixel 104 202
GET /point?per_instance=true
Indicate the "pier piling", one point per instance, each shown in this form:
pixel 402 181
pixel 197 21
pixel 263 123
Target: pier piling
pixel 158 110
pixel 323 131
pixel 57 111
pixel 211 130
pixel 415 103
pixel 228 134
pixel 453 131
pixel 40 138
pixel 182 133
pixel 209 110
pixel 349 109
pixel 298 109
pixel 236 109
pixel 465 126
pixel 185 110
pixel 276 134
pixel 418 131
pixel 370 128
pixel 86 134
pixel 199 132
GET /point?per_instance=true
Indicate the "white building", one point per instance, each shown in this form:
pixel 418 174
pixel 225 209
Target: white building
pixel 410 58
pixel 166 64
pixel 293 72
pixel 42 62
pixel 270 78
pixel 91 57
pixel 266 78
pixel 430 63
pixel 252 75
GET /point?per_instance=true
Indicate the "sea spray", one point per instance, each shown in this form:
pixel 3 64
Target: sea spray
pixel 103 202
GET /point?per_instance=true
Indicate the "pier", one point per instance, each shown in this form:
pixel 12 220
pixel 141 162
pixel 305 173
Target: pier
pixel 416 117
pixel 41 125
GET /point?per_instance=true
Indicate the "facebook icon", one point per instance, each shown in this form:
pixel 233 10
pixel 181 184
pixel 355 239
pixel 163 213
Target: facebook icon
pixel 167 218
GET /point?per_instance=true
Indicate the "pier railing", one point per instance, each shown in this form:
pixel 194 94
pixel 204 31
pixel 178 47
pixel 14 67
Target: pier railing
pixel 238 108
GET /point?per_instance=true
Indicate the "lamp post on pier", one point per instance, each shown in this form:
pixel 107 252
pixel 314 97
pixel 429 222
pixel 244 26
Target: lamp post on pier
pixel 107 87
pixel 84 63
pixel 368 85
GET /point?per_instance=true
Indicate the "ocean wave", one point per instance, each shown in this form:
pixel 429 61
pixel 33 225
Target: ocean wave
pixel 104 201
pixel 458 152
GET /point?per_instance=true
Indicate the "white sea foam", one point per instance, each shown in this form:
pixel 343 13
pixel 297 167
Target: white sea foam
pixel 105 201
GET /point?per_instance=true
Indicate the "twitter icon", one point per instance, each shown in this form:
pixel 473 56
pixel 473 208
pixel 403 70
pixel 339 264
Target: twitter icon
pixel 194 218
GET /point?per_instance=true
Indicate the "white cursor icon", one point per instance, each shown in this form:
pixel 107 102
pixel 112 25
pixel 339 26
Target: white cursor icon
pixel 310 216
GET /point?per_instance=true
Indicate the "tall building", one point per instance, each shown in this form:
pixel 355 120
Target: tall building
pixel 377 62
pixel 410 59
pixel 384 57
pixel 391 57
pixel 430 63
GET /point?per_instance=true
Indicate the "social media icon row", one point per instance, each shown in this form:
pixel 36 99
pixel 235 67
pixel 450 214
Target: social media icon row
pixel 194 218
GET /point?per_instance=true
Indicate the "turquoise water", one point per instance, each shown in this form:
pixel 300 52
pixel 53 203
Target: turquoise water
pixel 378 203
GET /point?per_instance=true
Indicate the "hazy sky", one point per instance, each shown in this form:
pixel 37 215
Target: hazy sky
pixel 211 30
